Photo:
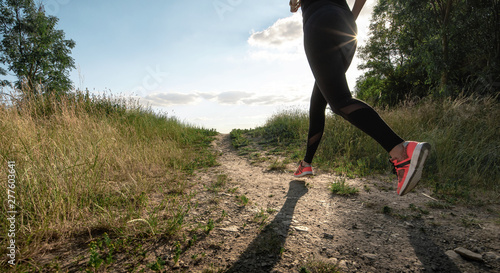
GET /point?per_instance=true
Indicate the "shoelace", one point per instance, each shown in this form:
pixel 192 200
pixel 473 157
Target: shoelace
pixel 399 165
pixel 294 5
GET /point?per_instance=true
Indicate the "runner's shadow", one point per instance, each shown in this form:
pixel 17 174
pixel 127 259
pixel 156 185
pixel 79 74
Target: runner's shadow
pixel 430 255
pixel 265 251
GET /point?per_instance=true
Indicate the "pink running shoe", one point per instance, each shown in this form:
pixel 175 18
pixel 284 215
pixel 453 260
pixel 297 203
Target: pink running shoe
pixel 409 170
pixel 303 170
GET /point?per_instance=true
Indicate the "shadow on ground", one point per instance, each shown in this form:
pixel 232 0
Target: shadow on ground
pixel 265 251
pixel 432 256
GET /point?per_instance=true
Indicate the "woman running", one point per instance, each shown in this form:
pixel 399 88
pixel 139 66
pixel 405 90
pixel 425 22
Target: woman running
pixel 330 42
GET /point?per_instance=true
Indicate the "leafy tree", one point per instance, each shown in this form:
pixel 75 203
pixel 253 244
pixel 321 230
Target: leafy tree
pixel 33 49
pixel 391 59
pixel 436 47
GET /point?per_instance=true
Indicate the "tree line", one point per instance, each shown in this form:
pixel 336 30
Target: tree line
pixel 33 49
pixel 439 48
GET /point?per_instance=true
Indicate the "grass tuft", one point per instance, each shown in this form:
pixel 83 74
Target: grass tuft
pixel 319 266
pixel 340 187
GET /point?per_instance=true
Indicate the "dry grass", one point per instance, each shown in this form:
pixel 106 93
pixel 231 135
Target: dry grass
pixel 96 164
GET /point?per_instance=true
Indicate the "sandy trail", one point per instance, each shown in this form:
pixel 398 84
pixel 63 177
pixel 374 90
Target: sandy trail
pixel 288 223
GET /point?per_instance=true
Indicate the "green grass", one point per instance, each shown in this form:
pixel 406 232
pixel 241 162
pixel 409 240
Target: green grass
pixel 319 266
pixel 464 164
pixel 219 184
pixel 277 165
pixel 238 139
pixel 341 188
pixel 242 200
pixel 89 165
pixel 438 205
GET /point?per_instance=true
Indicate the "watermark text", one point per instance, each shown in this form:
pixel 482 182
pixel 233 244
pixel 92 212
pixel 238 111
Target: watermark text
pixel 223 6
pixel 54 6
pixel 151 81
pixel 11 213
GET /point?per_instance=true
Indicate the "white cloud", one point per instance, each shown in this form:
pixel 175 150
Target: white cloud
pixel 166 99
pixel 222 98
pixel 284 32
pixel 207 96
pixel 232 97
pixel 282 41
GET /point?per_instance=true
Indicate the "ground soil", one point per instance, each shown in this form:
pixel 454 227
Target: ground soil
pixel 291 224
pixel 258 220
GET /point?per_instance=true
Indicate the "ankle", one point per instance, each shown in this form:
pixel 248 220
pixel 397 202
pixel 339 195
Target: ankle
pixel 398 152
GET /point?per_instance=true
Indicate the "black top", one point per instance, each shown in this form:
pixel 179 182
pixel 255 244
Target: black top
pixel 306 3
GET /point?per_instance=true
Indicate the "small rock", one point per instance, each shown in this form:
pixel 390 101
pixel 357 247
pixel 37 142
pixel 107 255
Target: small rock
pixel 378 231
pixel 343 264
pixel 370 256
pixel 333 261
pixel 178 265
pixel 302 229
pixel 410 225
pixel 328 236
pixel 469 255
pixel 453 255
pixel 230 229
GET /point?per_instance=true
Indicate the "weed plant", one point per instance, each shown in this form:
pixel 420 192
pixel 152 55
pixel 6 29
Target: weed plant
pixel 93 164
pixel 340 187
pixel 238 139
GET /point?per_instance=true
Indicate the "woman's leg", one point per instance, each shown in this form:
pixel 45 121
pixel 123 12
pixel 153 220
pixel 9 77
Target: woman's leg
pixel 329 39
pixel 316 123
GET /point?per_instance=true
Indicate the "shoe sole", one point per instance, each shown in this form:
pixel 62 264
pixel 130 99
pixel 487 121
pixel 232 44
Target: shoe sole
pixel 303 174
pixel 416 166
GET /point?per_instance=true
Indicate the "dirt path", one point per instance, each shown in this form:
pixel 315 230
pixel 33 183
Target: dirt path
pixel 288 224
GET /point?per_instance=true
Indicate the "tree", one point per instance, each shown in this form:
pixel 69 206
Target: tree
pixel 392 56
pixel 437 47
pixel 33 49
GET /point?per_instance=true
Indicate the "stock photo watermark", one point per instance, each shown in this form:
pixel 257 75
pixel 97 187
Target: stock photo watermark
pixel 54 6
pixel 151 81
pixel 11 213
pixel 223 6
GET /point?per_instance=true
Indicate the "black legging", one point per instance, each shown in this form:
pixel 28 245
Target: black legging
pixel 329 41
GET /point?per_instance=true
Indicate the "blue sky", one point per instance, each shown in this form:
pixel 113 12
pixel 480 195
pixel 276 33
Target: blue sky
pixel 219 64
